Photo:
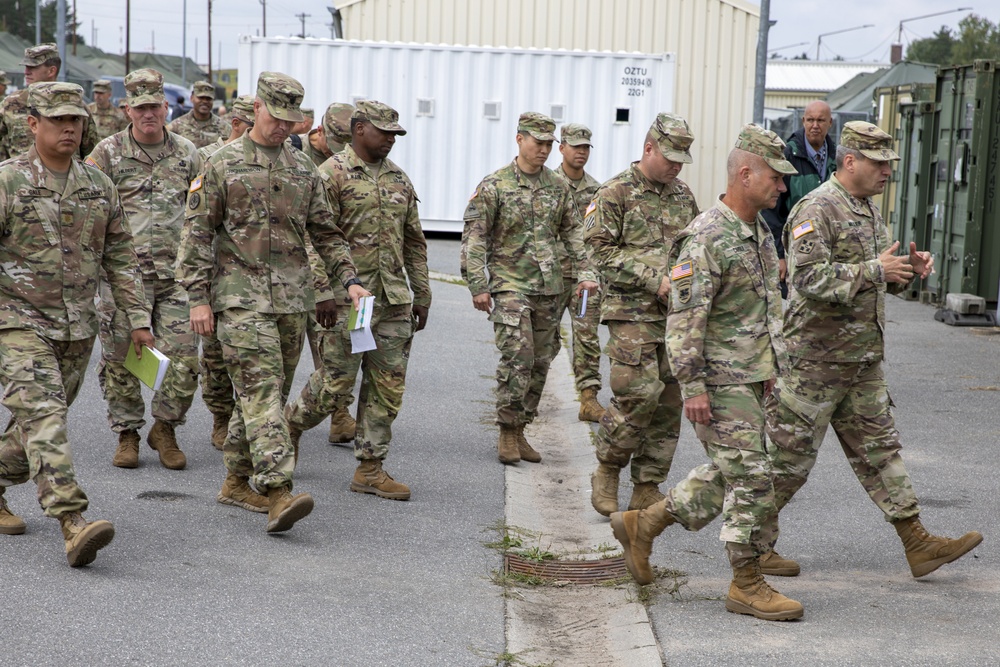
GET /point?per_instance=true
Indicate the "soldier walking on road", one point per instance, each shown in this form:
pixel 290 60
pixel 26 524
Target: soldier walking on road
pixel 726 350
pixel 516 223
pixel 41 63
pixel 108 119
pixel 61 225
pixel 216 387
pixel 630 227
pixel 375 205
pixel 152 170
pixel 200 126
pixel 574 146
pixel 243 260
pixel 841 265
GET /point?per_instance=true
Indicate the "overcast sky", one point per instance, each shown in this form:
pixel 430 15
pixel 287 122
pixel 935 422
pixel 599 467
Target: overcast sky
pixel 156 25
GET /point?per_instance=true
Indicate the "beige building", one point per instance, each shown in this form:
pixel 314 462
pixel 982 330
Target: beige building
pixel 715 43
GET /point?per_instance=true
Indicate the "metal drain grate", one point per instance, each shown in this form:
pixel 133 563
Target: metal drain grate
pixel 162 495
pixel 580 572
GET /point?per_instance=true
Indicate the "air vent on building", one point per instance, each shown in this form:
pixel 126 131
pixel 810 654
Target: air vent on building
pixel 558 112
pixel 425 107
pixel 621 115
pixel 491 110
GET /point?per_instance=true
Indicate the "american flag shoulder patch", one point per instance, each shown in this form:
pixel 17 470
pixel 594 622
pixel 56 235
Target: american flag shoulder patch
pixel 93 163
pixel 195 184
pixel 801 229
pixel 682 270
pixel 591 208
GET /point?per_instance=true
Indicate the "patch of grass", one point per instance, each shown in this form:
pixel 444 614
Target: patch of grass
pixel 447 278
pixel 508 537
pixel 536 554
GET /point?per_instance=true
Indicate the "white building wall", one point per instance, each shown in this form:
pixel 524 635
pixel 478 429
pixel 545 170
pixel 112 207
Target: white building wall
pixel 714 41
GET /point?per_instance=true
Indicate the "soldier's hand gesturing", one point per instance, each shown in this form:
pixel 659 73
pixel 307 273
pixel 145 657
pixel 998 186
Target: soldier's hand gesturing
pixel 922 261
pixel 897 269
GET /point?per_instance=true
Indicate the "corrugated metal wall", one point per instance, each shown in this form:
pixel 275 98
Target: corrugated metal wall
pixel 715 42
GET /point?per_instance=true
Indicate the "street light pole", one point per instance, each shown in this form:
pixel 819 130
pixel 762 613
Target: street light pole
pixel 819 41
pixel 899 35
pixel 263 5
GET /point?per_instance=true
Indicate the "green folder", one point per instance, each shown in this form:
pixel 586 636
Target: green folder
pixel 150 369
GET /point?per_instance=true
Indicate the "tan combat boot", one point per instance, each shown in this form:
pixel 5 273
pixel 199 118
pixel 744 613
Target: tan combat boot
pixel 925 552
pixel 773 564
pixel 83 538
pixel 507 446
pixel 220 429
pixel 750 594
pixel 590 409
pixel 524 448
pixel 162 440
pixel 10 523
pixel 604 489
pixel 284 509
pixel 236 491
pixel 371 478
pixel 645 494
pixel 127 454
pixel 343 428
pixel 636 530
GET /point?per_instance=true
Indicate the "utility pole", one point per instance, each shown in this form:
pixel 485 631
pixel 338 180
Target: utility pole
pixel 38 22
pixel 760 80
pixel 302 17
pixel 184 46
pixel 263 4
pixel 128 35
pixel 210 40
pixel 74 27
pixel 61 35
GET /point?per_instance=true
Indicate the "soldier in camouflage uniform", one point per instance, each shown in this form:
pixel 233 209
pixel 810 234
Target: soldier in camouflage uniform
pixel 61 225
pixel 725 348
pixel 841 265
pixel 108 119
pixel 41 63
pixel 630 227
pixel 200 126
pixel 574 146
pixel 517 222
pixel 216 387
pixel 4 82
pixel 152 169
pixel 243 259
pixel 337 126
pixel 375 205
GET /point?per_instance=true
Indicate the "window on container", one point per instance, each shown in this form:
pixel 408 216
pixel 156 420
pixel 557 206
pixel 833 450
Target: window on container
pixel 558 112
pixel 425 107
pixel 621 115
pixel 491 110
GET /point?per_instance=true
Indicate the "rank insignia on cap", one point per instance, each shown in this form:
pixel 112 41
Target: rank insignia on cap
pixel 682 270
pixel 591 208
pixel 195 184
pixel 802 229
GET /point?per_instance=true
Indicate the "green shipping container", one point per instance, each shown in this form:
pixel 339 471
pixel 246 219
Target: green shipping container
pixel 965 211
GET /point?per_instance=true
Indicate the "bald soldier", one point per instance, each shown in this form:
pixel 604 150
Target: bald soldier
pixel 61 226
pixel 41 63
pixel 243 262
pixel 200 126
pixel 108 119
pixel 574 146
pixel 630 227
pixel 518 221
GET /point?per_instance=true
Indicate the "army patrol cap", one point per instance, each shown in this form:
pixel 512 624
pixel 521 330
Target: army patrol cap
pixel 203 89
pixel 243 108
pixel 144 86
pixel 4 81
pixel 382 116
pixel 538 125
pixel 575 134
pixel 282 95
pixel 765 143
pixel 872 142
pixel 102 86
pixel 39 54
pixel 56 98
pixel 673 137
pixel 309 113
pixel 337 124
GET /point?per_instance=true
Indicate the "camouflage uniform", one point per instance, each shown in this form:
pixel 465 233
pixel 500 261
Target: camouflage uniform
pixel 201 132
pixel 4 81
pixel 514 229
pixel 16 137
pixel 243 252
pixel 378 214
pixel 109 121
pixel 153 189
pixel 316 156
pixel 586 343
pixel 724 338
pixel 630 227
pixel 53 245
pixel 834 329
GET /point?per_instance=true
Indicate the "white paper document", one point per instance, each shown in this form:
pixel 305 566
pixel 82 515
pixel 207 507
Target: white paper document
pixel 359 323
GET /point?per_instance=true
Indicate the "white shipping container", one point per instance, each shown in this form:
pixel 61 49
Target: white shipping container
pixel 460 104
